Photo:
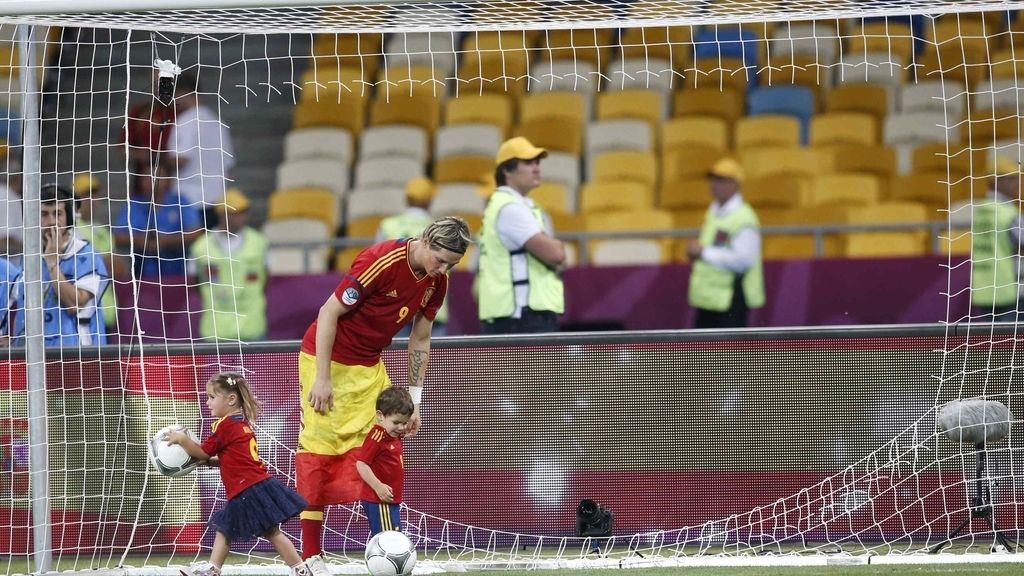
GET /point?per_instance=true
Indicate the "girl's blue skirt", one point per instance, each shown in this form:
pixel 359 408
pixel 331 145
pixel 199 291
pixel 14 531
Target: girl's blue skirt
pixel 257 510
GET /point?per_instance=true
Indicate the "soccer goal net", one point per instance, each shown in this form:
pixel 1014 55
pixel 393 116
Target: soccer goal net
pixel 180 129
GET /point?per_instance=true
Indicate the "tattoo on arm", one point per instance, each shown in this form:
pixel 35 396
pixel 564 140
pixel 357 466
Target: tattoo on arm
pixel 417 366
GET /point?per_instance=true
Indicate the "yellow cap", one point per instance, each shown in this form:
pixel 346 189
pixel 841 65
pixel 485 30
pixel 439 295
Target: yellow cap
pixel 234 200
pixel 84 183
pixel 727 168
pixel 1004 166
pixel 519 148
pixel 420 189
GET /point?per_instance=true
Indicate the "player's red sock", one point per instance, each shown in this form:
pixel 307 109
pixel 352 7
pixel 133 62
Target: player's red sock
pixel 312 522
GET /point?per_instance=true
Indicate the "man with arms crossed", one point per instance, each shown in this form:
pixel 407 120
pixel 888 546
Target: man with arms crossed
pixel 340 369
pixel 519 284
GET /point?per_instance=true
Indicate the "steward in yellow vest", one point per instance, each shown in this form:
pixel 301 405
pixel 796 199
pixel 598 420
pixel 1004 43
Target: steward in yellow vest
pixel 727 278
pixel 518 282
pixel 995 246
pixel 231 266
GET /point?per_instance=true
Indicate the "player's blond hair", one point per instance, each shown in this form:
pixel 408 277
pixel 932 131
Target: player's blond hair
pixel 234 383
pixel 450 233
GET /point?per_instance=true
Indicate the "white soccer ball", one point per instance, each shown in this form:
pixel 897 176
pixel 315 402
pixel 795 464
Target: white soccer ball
pixel 390 553
pixel 171 460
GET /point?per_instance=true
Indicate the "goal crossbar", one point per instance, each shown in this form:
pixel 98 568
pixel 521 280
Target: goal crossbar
pixel 299 16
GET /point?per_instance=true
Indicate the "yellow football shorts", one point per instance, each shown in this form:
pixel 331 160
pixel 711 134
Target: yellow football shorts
pixel 355 406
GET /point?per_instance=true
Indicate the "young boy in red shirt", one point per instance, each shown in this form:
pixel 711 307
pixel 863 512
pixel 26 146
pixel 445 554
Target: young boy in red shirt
pixel 379 461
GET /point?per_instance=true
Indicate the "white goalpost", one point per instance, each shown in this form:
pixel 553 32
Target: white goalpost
pixel 75 417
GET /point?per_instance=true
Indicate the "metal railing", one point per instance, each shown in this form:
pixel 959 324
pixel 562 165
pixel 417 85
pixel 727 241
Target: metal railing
pixel 941 233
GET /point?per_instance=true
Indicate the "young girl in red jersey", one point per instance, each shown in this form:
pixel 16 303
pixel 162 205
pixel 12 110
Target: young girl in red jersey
pixel 380 461
pixel 257 502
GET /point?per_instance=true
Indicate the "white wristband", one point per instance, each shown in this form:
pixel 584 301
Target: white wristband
pixel 417 394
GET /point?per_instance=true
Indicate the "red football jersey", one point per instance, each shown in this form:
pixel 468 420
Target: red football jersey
pixel 383 453
pixel 232 440
pixel 383 295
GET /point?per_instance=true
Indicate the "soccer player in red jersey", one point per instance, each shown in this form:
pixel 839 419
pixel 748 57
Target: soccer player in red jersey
pixel 257 502
pixel 380 464
pixel 341 372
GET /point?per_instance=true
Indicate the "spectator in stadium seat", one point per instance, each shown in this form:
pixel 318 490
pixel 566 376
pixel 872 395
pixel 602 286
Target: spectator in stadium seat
pixel 156 225
pixel 91 225
pixel 419 192
pixel 11 225
pixel 727 279
pixel 519 285
pixel 9 297
pixel 996 246
pixel 340 368
pixel 229 264
pixel 200 145
pixel 73 275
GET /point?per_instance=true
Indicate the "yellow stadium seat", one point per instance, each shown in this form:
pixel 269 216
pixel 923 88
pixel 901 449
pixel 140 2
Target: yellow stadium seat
pixel 349 114
pixel 9 63
pixel 494 109
pixel 557 134
pixel 969 33
pixel 835 128
pixel 615 197
pixel 671 43
pixel 630 251
pixel 1007 63
pixel 798 70
pixel 626 166
pixel 879 161
pixel 887 243
pixel 362 51
pixel 406 80
pixel 845 189
pixel 866 98
pixel 592 45
pixel 313 203
pixel 886 37
pixel 366 44
pixel 767 131
pixel 498 10
pixel 692 194
pixel 345 257
pixel 706 131
pixel 423 110
pixel 719 73
pixel 493 62
pixel 334 83
pixel 364 227
pixel 960 161
pixel 548 105
pixel 647 105
pixel 726 104
pixel 986 127
pixel 777 191
pixel 805 245
pixel 473 169
pixel 932 190
pixel 811 162
pixel 951 61
pixel 564 222
pixel 688 163
pixel 955 241
pixel 552 197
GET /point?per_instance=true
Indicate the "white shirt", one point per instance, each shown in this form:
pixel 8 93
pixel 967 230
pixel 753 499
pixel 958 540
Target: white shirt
pixel 203 144
pixel 11 224
pixel 515 224
pixel 744 247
